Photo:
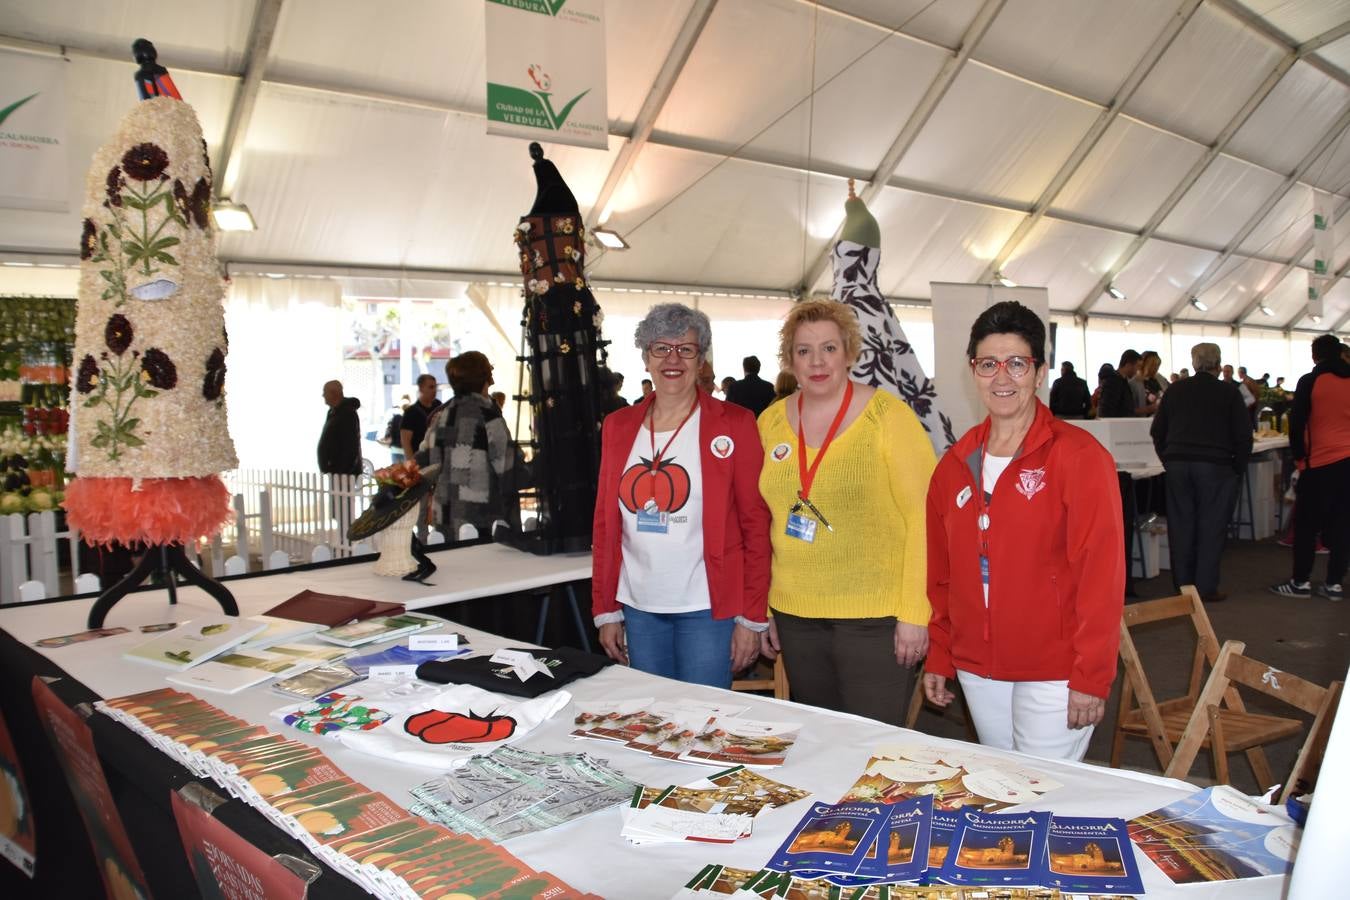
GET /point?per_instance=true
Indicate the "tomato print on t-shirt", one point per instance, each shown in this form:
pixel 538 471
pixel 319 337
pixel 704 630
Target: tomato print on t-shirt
pixel 666 485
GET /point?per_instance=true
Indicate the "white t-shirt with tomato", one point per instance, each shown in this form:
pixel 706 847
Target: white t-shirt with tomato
pixel 662 511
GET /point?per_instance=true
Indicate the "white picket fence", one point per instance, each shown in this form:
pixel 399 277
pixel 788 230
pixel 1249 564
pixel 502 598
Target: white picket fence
pixel 281 518
pixel 295 513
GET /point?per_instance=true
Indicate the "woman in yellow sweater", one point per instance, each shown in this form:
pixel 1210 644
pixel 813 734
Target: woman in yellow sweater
pixel 845 476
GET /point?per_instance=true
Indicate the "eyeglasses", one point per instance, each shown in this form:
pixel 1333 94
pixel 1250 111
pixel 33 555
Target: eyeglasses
pixel 661 350
pixel 1015 366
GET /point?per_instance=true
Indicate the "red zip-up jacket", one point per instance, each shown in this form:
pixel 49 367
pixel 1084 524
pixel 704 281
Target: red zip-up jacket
pixel 1056 561
pixel 736 550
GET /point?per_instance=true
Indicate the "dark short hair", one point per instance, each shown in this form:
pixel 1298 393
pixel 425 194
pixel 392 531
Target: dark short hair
pixel 1010 317
pixel 425 377
pixel 1106 371
pixel 1066 365
pixel 468 373
pixel 751 365
pixel 1325 347
pixel 1130 356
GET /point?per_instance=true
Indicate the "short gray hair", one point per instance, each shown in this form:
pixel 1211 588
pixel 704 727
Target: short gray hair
pixel 668 322
pixel 1206 357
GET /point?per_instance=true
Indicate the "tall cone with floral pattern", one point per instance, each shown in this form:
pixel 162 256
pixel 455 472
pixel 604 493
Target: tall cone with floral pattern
pixel 887 360
pixel 148 382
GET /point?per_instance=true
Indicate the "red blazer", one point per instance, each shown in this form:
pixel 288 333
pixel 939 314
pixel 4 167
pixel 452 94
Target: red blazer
pixel 1056 561
pixel 736 549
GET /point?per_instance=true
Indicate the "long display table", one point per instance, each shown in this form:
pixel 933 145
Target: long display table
pixel 589 853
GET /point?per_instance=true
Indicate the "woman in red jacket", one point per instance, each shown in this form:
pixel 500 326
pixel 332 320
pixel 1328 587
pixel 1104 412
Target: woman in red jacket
pixel 1026 563
pixel 681 536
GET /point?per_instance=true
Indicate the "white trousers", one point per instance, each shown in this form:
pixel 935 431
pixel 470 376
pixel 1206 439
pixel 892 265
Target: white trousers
pixel 1027 716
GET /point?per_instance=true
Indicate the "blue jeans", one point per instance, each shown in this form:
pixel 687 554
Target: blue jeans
pixel 690 646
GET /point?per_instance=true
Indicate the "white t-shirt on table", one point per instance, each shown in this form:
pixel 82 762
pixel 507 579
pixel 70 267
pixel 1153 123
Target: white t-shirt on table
pixel 663 572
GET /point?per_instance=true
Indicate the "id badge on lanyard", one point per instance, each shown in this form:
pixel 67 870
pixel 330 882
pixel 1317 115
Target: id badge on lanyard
pixel 653 521
pixel 799 526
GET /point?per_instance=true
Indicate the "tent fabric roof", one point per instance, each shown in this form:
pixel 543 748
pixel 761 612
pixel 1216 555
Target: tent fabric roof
pixel 1165 146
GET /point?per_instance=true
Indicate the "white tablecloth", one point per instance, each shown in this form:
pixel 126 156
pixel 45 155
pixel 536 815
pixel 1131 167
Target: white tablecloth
pixel 589 853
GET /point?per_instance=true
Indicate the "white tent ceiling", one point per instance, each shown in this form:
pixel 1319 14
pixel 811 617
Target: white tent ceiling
pixel 1169 147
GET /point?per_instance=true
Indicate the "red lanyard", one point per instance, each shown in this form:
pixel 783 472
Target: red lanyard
pixel 651 427
pixel 806 475
pixel 982 510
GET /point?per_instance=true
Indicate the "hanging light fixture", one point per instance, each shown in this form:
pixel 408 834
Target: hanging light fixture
pixel 1115 292
pixel 1199 304
pixel 1267 311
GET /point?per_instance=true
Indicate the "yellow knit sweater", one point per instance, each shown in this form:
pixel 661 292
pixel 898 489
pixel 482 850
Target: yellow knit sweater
pixel 871 487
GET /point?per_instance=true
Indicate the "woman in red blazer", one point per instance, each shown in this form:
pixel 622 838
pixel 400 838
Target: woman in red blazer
pixel 681 536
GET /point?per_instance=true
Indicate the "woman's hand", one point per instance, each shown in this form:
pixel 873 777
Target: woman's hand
pixel 1085 709
pixel 744 648
pixel 935 689
pixel 911 643
pixel 768 641
pixel 615 642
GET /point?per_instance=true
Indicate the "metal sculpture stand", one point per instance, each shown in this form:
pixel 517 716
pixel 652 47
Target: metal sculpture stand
pixel 169 560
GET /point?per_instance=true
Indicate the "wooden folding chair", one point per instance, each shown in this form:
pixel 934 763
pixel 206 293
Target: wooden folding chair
pixel 1139 714
pixel 1227 730
pixel 763 677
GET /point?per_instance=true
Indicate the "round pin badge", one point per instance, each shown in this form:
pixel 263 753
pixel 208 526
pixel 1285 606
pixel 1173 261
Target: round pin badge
pixel 722 446
pixel 781 452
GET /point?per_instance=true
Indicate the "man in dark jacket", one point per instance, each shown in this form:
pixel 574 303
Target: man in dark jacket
pixel 1319 439
pixel 1203 438
pixel 752 392
pixel 1117 399
pixel 1069 395
pixel 340 442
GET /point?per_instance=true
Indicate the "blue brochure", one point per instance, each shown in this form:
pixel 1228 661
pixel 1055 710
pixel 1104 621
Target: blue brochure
pixel 900 852
pixel 831 838
pixel 1091 855
pixel 1005 849
pixel 939 841
pixel 399 655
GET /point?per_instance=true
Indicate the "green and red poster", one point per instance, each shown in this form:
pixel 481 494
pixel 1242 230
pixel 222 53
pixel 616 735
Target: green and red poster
pixel 74 745
pixel 18 840
pixel 225 865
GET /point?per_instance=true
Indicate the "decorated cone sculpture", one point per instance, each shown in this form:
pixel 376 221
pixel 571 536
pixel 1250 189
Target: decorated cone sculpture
pixel 148 381
pixel 887 360
pixel 564 350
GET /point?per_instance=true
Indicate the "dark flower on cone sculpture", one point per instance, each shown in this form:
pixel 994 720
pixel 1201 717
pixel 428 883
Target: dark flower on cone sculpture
pixel 88 239
pixel 213 385
pixel 163 374
pixel 88 373
pixel 145 162
pixel 118 333
pixel 199 204
pixel 114 186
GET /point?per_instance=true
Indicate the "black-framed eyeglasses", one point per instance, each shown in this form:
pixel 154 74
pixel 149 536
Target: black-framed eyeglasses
pixel 1015 366
pixel 661 350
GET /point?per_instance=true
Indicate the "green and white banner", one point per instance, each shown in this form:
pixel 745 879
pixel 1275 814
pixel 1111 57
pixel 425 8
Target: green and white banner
pixel 546 71
pixel 33 171
pixel 1324 246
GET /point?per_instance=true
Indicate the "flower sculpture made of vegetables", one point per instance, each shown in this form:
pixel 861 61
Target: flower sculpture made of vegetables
pixel 150 430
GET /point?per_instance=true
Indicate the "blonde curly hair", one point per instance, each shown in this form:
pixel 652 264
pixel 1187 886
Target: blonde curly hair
pixel 820 311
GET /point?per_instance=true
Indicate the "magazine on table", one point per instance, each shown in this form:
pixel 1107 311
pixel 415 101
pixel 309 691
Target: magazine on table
pixel 1218 834
pixel 1091 855
pixel 194 642
pixel 831 838
pixel 317 681
pixel 382 628
pixel 605 720
pixel 900 851
pixel 232 672
pixel 279 631
pixel 956 778
pixel 744 741
pixel 1004 849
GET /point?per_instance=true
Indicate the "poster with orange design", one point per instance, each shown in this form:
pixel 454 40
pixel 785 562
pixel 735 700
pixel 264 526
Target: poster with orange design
pixel 18 834
pixel 74 745
pixel 224 864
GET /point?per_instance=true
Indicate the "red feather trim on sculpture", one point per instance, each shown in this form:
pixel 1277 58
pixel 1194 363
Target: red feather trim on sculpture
pixel 160 511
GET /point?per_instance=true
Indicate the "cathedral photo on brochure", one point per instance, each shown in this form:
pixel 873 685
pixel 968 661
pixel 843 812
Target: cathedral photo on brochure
pixel 872 450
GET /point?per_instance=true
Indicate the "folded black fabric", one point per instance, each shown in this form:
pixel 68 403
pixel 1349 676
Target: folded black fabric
pixel 566 664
